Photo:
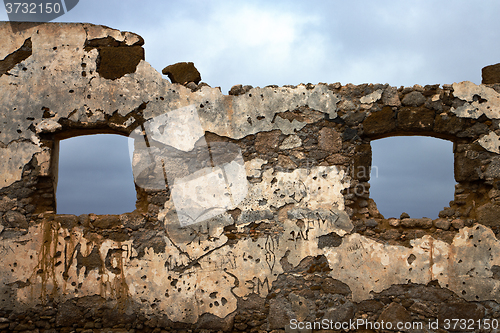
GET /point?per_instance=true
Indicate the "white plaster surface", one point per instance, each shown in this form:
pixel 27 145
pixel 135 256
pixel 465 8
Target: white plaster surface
pixel 13 158
pixel 372 98
pixel 479 100
pixel 490 142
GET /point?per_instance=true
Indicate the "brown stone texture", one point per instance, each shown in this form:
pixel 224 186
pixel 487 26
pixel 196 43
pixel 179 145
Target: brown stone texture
pixel 467 164
pixel 422 309
pixel 380 122
pixel 116 62
pixel 390 97
pixel 332 286
pixel 286 163
pixel 337 159
pixel 69 314
pixel 448 124
pixel 394 313
pixel 106 221
pixel 182 72
pixel 362 162
pixel 424 223
pixel 116 58
pixel 266 142
pixel 489 214
pixel 442 223
pixel 460 310
pixel 491 74
pixel 280 308
pixel 329 140
pixel 414 98
pixel 415 120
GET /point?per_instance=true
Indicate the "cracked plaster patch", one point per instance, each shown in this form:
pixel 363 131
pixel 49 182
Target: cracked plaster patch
pixel 228 115
pixel 372 98
pixel 319 187
pixel 205 281
pixel 14 157
pixel 490 142
pixel 463 267
pixel 290 142
pixel 253 167
pixel 479 100
pixel 48 126
pixel 209 192
pixel 179 128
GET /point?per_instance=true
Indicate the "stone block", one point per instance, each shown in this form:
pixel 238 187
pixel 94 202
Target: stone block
pixel 414 98
pixel 461 310
pixel 442 224
pixel 115 62
pixel 380 122
pixel 491 74
pixel 394 313
pixel 415 120
pixel 329 140
pixel 15 219
pixel 267 142
pixel 467 165
pixel 489 215
pixel 448 124
pixel 182 72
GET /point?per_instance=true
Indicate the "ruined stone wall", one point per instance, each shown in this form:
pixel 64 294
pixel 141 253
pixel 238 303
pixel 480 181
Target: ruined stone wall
pixel 291 231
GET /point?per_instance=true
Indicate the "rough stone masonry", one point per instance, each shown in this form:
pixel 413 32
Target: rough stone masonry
pixel 303 242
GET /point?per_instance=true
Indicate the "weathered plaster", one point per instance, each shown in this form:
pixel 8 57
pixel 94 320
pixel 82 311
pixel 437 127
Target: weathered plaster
pixel 14 157
pixel 490 142
pixel 371 98
pixel 479 100
pixel 236 193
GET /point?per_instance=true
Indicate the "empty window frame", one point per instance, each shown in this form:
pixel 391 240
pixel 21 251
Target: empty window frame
pixel 95 175
pixel 412 174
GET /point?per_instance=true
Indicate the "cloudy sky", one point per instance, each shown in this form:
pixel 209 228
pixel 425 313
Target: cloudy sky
pixel 290 42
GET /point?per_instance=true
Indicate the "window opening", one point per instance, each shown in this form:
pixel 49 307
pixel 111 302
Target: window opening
pixel 95 175
pixel 412 174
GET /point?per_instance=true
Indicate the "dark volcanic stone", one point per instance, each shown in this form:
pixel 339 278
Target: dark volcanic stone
pixel 491 74
pixel 68 315
pixel 415 120
pixel 370 306
pixel 489 215
pixel 380 122
pixel 182 72
pixel 395 313
pixel 467 165
pixel 448 124
pixel 342 313
pixel 460 310
pixel 332 286
pixel 266 142
pixel 414 98
pixel 115 62
pixel 212 322
pixel 279 307
pixel 15 219
pixel 106 221
pixel 329 140
pixel 329 240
